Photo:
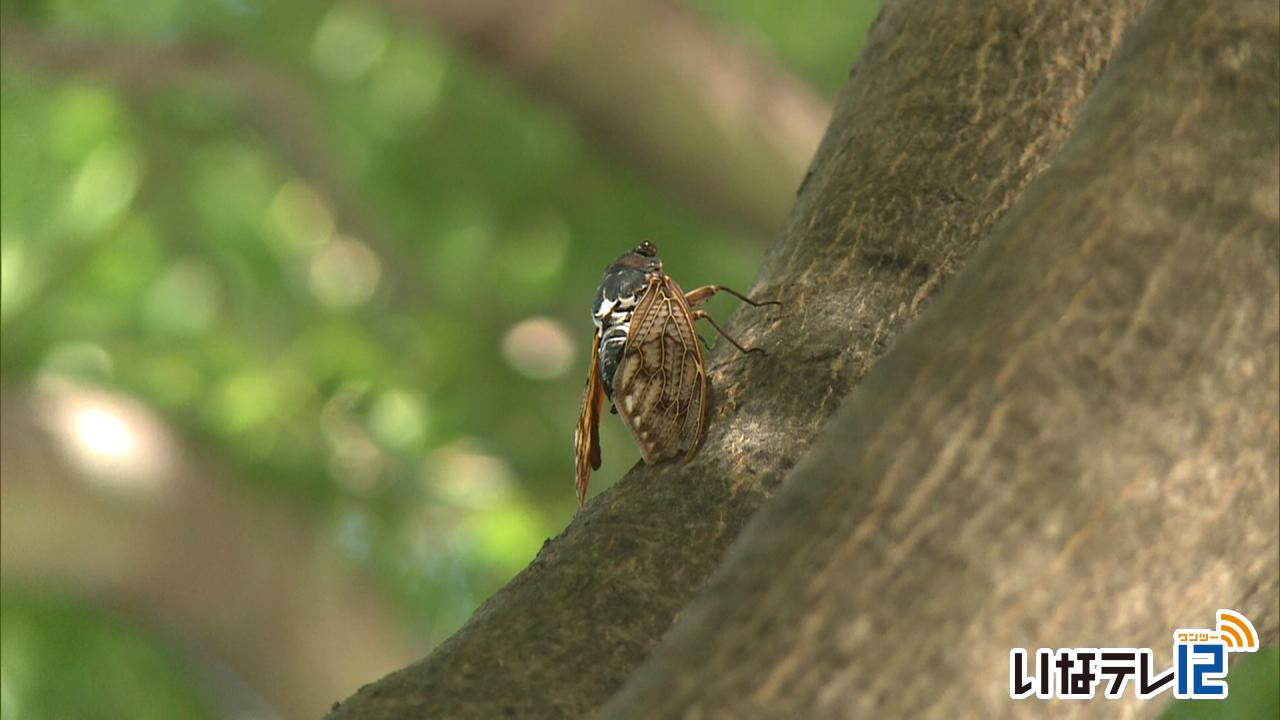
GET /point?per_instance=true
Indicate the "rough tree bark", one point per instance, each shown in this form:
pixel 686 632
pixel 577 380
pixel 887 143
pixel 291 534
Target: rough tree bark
pixel 1075 446
pixel 952 109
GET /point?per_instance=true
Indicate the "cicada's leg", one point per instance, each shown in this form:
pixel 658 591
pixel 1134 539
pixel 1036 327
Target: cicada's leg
pixel 702 294
pixel 702 315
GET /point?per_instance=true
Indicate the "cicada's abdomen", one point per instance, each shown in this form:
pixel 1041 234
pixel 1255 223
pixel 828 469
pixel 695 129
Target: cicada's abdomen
pixel 612 344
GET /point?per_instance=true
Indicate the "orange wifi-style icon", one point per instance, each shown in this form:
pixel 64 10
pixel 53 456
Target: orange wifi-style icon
pixel 1237 632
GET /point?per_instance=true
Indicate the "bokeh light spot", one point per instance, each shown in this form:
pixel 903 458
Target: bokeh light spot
pixel 355 460
pixel 18 276
pixel 408 82
pixel 539 348
pixel 537 250
pixel 81 361
pixel 184 302
pixel 398 419
pixel 353 533
pixel 81 119
pixel 461 474
pixel 344 274
pixel 102 189
pixel 230 185
pixel 299 221
pixel 505 537
pixel 245 401
pixel 118 443
pixel 348 43
pixel 103 433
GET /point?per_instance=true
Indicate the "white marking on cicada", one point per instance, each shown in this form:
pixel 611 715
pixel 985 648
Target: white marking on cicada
pixel 629 402
pixel 602 311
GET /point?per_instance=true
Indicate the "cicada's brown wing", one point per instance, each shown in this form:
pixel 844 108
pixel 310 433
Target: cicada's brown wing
pixel 586 440
pixel 660 387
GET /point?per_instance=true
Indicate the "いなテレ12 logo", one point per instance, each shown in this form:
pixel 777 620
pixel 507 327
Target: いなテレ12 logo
pixel 1199 668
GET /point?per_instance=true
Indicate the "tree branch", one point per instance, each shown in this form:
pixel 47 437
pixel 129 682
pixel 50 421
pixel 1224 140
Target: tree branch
pixel 647 80
pixel 934 137
pixel 1076 446
pixel 249 582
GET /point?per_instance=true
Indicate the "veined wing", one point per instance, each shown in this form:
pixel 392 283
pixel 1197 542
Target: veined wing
pixel 586 440
pixel 660 387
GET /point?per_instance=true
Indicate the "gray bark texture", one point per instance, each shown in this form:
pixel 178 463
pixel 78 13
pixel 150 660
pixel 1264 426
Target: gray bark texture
pixel 1075 444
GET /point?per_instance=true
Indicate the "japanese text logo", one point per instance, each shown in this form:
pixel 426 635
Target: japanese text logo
pixel 1199 667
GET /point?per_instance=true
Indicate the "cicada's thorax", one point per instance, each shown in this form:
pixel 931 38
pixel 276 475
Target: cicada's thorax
pixel 623 285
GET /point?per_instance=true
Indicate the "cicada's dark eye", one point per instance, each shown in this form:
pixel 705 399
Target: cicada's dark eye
pixel 646 249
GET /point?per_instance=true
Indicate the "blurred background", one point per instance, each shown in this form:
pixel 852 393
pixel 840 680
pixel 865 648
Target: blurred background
pixel 294 310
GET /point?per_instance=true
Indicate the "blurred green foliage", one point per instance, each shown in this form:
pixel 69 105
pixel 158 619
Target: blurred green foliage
pixel 63 659
pixel 346 260
pixel 811 38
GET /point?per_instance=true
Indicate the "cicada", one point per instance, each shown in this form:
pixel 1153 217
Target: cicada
pixel 647 361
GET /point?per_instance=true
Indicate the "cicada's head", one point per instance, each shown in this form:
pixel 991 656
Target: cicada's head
pixel 643 257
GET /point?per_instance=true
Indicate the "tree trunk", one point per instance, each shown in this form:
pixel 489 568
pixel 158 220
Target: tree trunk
pixel 1075 446
pixel 1078 439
